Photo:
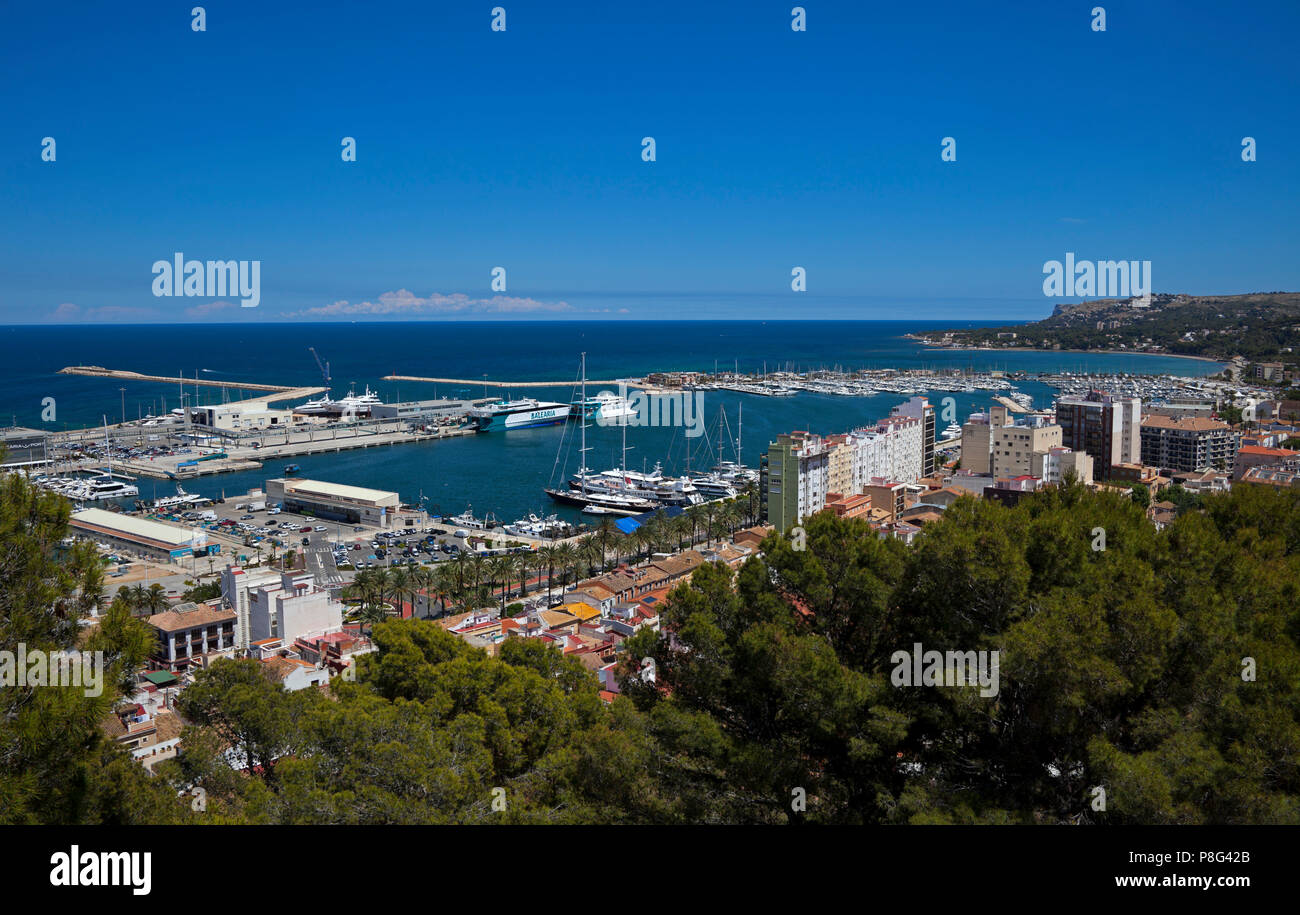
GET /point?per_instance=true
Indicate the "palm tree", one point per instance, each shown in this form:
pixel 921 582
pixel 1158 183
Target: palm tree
pixel 155 600
pixel 591 553
pixel 461 567
pixel 368 615
pixel 90 588
pixel 499 570
pixel 568 560
pixel 477 567
pixel 422 580
pixel 445 585
pixel 682 528
pixel 696 514
pixel 749 497
pixel 607 533
pixel 400 586
pixel 710 516
pixel 551 556
pixel 538 560
pixel 643 540
pixel 729 515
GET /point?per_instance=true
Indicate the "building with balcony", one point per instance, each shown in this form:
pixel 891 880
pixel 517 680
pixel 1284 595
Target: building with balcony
pixel 1188 443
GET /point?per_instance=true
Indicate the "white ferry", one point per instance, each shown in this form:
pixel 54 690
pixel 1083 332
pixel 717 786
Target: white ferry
pixel 518 414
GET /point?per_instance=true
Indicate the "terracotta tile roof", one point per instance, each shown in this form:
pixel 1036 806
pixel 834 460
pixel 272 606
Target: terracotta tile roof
pixel 1267 452
pixel 201 615
pixel 1184 423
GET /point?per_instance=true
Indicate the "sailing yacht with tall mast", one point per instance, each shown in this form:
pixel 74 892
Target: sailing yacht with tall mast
pixel 102 487
pixel 592 501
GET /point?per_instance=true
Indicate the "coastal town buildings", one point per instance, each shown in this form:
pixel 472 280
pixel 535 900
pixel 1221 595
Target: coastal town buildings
pixel 800 469
pixel 1106 427
pixel 1188 443
pixel 293 607
pixel 189 632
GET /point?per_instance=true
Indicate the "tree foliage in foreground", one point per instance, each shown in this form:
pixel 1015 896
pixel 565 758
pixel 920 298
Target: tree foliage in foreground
pixel 1121 669
pixel 771 699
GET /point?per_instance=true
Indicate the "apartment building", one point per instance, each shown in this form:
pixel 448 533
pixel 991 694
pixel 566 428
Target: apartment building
pixel 977 444
pixel 1106 427
pixel 1014 447
pixel 1188 443
pixel 799 469
pixel 1249 456
pixel 919 408
pixel 1054 464
pixel 292 608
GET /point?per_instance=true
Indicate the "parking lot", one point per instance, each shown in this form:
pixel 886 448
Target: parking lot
pixel 249 530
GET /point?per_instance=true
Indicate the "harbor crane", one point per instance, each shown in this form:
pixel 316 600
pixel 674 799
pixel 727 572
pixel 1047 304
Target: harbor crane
pixel 323 366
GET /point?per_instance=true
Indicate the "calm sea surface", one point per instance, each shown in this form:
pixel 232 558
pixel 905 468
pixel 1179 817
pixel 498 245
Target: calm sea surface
pixel 501 472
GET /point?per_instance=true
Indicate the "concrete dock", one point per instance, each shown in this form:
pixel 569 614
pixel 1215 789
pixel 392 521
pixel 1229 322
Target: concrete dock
pixel 504 384
pixel 281 392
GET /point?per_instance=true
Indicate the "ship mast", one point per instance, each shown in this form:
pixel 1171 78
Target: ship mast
pixel 740 425
pixel 582 413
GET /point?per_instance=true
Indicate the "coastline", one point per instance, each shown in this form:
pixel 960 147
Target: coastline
pixel 1036 349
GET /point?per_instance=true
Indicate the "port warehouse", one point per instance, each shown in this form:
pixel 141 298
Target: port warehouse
pixel 235 420
pixel 334 501
pixel 247 414
pixel 163 541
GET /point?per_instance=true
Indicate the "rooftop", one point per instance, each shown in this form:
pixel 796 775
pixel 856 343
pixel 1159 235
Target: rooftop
pixel 1183 423
pixel 336 490
pixel 115 523
pixel 181 619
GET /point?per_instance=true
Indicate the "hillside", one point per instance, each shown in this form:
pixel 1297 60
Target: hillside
pixel 1261 326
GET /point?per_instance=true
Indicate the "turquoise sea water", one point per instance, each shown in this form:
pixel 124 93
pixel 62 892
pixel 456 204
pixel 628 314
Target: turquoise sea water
pixel 501 472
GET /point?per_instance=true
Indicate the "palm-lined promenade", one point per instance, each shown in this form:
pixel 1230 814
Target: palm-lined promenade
pixel 473 581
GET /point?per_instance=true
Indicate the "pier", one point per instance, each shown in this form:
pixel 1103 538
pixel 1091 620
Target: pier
pixel 281 392
pixel 572 383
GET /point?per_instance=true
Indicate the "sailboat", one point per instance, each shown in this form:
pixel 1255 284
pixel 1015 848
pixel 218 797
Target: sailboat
pixel 599 501
pixel 103 486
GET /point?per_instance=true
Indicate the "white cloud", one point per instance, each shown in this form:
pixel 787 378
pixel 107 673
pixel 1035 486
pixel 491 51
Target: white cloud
pixel 405 302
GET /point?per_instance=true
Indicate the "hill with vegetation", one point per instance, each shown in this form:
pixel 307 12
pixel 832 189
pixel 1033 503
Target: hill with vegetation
pixel 1260 326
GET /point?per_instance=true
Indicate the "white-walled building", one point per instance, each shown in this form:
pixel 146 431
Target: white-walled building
pixel 1052 465
pixel 246 414
pixel 236 584
pixel 292 608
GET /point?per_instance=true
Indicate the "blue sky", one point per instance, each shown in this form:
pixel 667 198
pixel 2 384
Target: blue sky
pixel 522 149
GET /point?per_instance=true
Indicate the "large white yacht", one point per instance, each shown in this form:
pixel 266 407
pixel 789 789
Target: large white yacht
pixel 518 414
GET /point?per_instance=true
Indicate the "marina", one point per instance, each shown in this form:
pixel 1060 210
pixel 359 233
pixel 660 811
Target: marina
pixel 213 442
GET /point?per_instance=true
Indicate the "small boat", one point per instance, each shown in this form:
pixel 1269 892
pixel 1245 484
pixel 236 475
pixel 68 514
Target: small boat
pixel 467 519
pixel 291 469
